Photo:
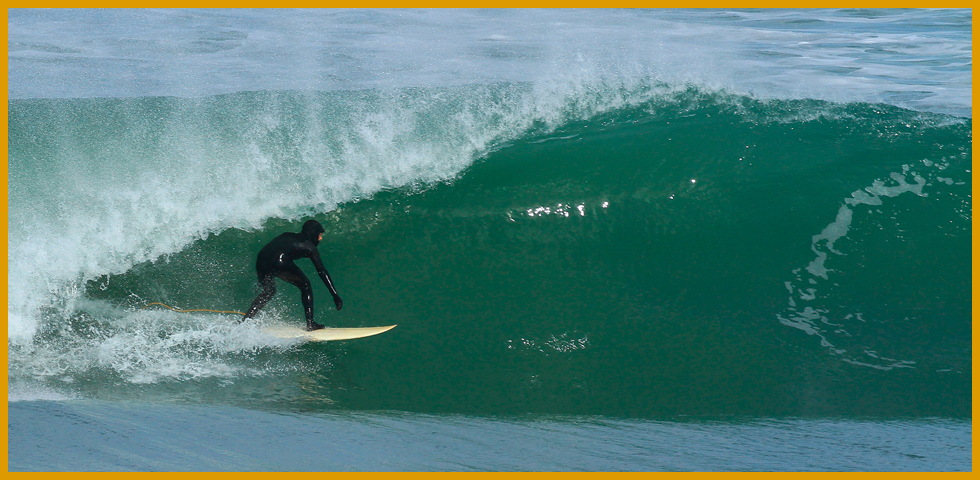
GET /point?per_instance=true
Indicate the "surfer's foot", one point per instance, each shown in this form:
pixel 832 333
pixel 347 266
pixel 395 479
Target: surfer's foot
pixel 310 326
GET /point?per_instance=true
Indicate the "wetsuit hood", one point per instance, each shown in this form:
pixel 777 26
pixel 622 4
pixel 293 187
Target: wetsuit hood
pixel 312 230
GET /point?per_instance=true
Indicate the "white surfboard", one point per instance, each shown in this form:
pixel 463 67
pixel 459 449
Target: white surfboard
pixel 326 334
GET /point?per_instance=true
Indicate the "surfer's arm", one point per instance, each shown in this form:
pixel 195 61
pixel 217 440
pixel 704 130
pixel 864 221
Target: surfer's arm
pixel 325 276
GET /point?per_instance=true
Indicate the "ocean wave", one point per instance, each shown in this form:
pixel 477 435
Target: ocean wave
pixel 541 249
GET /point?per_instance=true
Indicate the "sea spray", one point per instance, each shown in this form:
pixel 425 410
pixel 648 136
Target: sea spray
pixel 98 186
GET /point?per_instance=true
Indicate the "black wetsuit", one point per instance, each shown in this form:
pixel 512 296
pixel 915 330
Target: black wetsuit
pixel 276 260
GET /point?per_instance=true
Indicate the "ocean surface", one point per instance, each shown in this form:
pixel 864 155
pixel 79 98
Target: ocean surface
pixel 683 240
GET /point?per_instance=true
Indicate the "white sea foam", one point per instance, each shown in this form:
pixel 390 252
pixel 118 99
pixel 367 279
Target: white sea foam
pixel 808 310
pixel 139 347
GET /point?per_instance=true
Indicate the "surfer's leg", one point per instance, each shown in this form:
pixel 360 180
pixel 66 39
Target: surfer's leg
pixel 268 284
pixel 295 276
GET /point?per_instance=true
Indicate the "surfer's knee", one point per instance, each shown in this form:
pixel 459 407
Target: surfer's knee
pixel 269 292
pixel 268 285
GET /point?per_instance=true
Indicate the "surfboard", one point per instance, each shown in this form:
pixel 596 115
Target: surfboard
pixel 326 334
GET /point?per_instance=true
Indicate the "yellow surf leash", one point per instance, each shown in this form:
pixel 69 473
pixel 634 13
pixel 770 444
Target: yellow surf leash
pixel 178 310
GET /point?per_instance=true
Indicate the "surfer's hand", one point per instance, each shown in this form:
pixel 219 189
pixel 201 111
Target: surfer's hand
pixel 337 301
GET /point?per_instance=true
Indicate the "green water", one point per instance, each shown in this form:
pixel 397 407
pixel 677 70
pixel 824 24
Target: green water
pixel 637 264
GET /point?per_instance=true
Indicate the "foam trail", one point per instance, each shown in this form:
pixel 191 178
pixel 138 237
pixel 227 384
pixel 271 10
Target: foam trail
pixel 809 312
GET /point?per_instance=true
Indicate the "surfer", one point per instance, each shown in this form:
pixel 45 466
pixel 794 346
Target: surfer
pixel 276 260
